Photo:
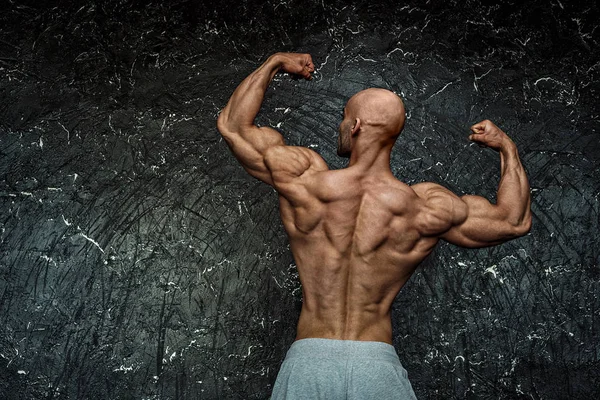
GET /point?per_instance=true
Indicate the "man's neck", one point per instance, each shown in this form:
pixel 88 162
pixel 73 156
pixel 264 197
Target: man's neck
pixel 371 156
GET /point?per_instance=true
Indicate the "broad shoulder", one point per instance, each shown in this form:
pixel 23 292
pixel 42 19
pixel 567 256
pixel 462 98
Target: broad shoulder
pixel 428 189
pixel 288 162
pixel 441 209
pixel 292 168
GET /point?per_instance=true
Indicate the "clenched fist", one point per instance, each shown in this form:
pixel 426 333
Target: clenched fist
pixel 296 64
pixel 486 133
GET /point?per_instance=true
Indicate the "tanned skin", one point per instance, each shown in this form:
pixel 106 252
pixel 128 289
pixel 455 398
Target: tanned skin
pixel 357 234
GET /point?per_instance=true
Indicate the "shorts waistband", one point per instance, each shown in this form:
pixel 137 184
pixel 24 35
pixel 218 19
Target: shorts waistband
pixel 345 349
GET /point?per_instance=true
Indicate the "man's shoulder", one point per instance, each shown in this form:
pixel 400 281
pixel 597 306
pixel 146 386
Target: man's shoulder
pixel 317 162
pixel 296 172
pixel 428 189
pixel 293 161
pixel 436 198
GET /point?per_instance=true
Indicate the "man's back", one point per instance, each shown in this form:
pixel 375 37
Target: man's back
pixel 356 240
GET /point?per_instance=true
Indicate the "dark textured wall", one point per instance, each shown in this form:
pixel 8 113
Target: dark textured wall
pixel 138 260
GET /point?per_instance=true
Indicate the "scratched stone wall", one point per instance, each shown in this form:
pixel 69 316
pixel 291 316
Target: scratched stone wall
pixel 138 259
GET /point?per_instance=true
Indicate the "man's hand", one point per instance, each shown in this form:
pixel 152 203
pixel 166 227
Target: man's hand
pixel 485 133
pixel 296 64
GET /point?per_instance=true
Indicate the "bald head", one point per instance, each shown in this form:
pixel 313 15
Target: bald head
pixel 373 114
pixel 379 108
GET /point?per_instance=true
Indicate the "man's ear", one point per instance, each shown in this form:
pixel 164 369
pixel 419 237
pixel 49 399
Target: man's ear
pixel 356 127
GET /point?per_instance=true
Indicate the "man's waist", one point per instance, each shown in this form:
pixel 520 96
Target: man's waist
pixel 332 323
pixel 342 349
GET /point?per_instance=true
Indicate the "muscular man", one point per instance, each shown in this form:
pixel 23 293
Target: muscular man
pixel 357 234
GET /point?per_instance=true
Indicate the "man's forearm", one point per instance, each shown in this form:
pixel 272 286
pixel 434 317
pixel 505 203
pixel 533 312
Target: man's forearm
pixel 245 103
pixel 513 190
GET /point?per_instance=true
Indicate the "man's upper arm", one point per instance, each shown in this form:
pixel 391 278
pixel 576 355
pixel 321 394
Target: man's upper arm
pixel 250 147
pixel 467 221
pixel 264 155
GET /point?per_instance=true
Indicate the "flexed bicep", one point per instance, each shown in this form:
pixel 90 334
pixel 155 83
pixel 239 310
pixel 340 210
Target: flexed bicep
pixel 472 221
pixel 248 142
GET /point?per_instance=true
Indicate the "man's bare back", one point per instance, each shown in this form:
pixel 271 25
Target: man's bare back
pixel 356 241
pixel 357 234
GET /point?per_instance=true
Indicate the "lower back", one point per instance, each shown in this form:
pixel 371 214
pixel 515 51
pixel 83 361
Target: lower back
pixel 349 300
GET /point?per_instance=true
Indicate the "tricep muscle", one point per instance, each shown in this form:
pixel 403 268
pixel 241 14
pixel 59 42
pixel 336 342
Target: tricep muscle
pixel 250 145
pixel 486 224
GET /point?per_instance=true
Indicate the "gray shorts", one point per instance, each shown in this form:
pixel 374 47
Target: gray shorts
pixel 341 369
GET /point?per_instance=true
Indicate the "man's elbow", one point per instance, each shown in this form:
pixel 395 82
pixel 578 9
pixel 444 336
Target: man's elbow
pixel 521 227
pixel 227 126
pixel 223 123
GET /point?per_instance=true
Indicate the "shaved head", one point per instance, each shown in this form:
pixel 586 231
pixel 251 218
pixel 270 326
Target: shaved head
pixel 378 107
pixel 379 110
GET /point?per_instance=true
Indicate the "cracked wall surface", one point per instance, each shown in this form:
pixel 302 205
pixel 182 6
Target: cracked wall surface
pixel 139 260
